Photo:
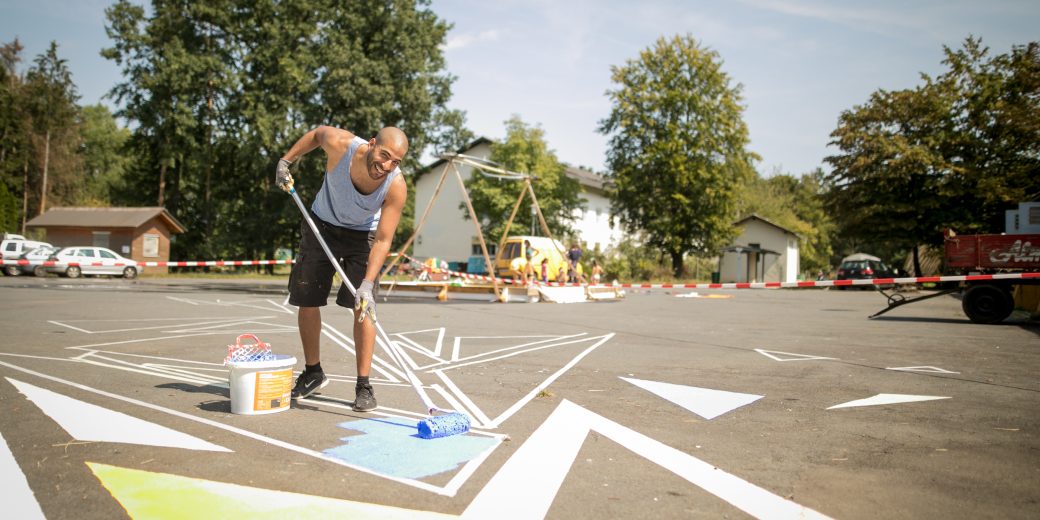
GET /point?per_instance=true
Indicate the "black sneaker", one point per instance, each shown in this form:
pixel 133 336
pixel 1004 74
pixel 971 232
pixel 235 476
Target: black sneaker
pixel 308 383
pixel 365 400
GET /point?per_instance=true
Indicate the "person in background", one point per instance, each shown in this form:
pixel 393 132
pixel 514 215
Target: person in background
pixel 545 270
pixel 529 253
pixel 597 272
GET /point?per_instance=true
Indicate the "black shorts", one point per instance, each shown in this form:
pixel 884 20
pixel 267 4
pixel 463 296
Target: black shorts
pixel 311 278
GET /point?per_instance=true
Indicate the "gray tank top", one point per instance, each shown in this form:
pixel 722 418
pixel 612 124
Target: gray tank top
pixel 339 202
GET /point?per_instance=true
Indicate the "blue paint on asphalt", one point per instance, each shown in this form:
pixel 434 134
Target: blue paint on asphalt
pixel 392 446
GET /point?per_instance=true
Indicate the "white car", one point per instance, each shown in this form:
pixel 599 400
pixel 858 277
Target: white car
pixel 92 261
pixel 13 248
pixel 35 256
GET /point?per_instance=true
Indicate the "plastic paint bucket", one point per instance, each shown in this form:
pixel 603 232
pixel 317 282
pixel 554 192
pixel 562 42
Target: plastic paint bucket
pixel 260 387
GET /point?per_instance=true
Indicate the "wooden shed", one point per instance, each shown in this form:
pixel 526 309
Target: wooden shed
pixel 142 234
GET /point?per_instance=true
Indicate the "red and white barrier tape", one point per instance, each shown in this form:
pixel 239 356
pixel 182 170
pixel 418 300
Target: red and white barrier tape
pixel 758 285
pixel 735 285
pixel 200 263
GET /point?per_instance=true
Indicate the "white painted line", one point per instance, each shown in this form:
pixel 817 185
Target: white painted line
pixel 159 358
pixel 705 402
pixel 255 436
pixel 186 372
pixel 69 326
pixel 881 399
pixel 144 340
pixel 925 369
pixel 511 354
pixel 789 356
pixel 456 348
pixel 469 405
pixel 89 422
pixel 531 395
pixel 182 300
pixel 208 323
pixel 440 343
pixel 128 367
pixel 527 484
pixel 19 501
pixel 378 364
pixel 520 346
pixel 282 307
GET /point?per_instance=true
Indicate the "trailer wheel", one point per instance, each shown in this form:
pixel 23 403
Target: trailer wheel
pixel 987 303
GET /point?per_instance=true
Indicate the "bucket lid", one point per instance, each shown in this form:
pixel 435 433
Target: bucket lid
pixel 280 360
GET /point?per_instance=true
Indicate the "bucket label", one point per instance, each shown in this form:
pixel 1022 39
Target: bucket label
pixel 273 390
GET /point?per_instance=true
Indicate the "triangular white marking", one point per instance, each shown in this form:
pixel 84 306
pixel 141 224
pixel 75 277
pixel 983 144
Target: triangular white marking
pixel 88 422
pixel 19 501
pixel 704 402
pixel 528 482
pixel 787 356
pixel 887 399
pixel 926 369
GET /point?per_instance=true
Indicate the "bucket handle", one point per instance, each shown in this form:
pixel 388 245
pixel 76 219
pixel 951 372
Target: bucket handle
pixel 238 340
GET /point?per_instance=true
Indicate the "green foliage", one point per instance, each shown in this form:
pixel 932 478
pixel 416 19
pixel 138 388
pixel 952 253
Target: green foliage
pixel 631 261
pixel 103 156
pixel 677 148
pixel 796 204
pixel 218 91
pixel 954 152
pixel 9 214
pixel 524 150
pixel 15 135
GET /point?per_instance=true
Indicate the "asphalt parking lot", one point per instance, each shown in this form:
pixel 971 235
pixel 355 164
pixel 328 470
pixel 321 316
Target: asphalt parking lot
pixel 767 403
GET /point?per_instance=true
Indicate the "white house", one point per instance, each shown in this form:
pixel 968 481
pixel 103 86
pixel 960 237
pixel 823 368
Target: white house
pixel 449 236
pixel 763 252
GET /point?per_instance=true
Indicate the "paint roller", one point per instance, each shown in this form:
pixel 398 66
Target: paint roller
pixel 441 422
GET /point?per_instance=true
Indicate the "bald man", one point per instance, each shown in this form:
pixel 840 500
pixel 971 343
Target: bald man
pixel 357 211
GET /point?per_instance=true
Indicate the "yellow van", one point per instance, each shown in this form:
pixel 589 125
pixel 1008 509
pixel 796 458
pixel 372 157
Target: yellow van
pixel 513 249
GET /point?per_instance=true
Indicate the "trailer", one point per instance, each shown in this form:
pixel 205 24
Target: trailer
pixel 987 264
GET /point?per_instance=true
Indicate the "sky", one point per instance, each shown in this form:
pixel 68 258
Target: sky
pixel 798 63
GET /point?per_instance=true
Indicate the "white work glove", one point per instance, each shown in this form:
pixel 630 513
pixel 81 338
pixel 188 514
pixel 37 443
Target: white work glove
pixel 364 302
pixel 282 177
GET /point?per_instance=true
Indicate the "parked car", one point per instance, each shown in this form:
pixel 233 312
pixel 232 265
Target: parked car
pixel 864 267
pixel 13 247
pixel 40 254
pixel 92 261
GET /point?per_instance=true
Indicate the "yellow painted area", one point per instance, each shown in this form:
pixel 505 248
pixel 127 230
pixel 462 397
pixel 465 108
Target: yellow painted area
pixel 145 494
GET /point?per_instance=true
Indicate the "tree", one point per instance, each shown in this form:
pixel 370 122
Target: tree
pixel 51 102
pixel 14 133
pixel 102 154
pixel 954 152
pixel 524 150
pixel 795 203
pixel 677 148
pixel 218 91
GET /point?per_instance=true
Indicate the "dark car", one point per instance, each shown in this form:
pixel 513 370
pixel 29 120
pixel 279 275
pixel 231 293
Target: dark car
pixel 864 267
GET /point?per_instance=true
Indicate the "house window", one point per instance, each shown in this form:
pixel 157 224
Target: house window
pixel 101 238
pixel 476 251
pixel 151 246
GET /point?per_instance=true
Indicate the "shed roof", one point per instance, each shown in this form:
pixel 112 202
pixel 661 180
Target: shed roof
pixel 105 217
pixel 756 217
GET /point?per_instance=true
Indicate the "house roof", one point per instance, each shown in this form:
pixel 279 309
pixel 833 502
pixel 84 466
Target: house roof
pixel 105 217
pixel 583 176
pixel 586 177
pixel 756 217
pixel 473 144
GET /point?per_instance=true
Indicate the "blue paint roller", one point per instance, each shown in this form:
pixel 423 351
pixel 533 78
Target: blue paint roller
pixel 449 422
